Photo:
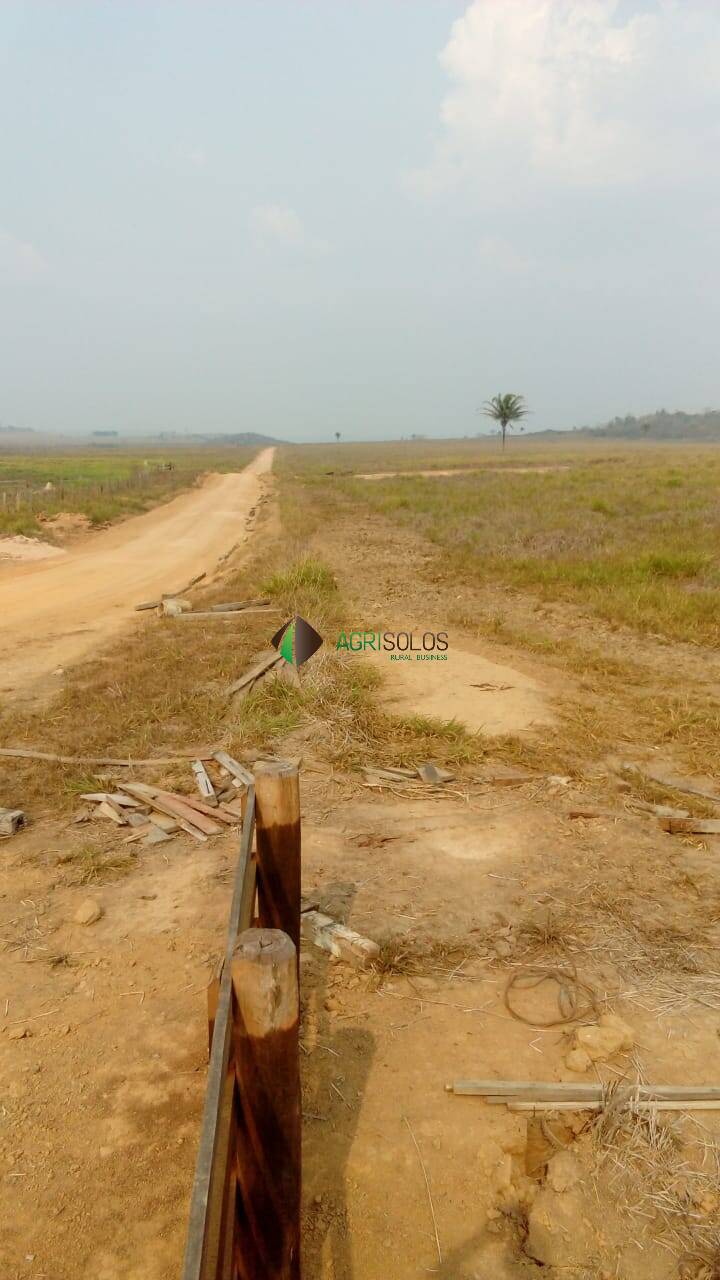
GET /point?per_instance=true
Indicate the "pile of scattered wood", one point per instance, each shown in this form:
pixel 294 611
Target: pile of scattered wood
pixel 155 815
pixel 174 604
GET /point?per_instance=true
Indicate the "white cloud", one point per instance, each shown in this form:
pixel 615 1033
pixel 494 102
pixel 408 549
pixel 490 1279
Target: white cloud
pixel 576 93
pixel 19 260
pixel 277 224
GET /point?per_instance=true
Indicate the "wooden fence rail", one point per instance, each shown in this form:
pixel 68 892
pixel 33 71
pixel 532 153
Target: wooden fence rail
pixel 244 1221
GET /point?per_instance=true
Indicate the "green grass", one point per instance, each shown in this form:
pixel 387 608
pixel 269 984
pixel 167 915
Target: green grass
pixel 631 533
pixel 103 487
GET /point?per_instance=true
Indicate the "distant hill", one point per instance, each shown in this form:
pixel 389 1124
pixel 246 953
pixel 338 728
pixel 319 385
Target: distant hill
pixel 218 437
pixel 660 426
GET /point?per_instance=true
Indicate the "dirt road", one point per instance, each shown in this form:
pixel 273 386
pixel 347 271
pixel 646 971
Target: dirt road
pixel 53 613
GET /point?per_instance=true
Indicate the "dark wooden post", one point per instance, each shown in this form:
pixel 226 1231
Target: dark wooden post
pixel 277 835
pixel 268 1144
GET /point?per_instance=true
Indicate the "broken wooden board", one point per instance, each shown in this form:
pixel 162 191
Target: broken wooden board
pixel 235 768
pixel 661 810
pixel 164 822
pixel 106 809
pixel 433 775
pixel 691 826
pixel 593 813
pixel 568 1091
pixel 11 820
pixel 703 787
pixel 156 836
pixel 238 606
pixel 118 797
pixel 204 782
pixel 155 604
pixel 338 939
pixel 218 616
pixel 28 753
pixel 189 819
pixel 252 674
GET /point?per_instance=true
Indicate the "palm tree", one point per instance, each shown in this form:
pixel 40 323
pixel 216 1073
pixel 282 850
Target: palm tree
pixel 505 409
pixel 337 435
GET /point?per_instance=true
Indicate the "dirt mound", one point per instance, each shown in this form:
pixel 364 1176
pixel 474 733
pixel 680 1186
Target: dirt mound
pixel 21 548
pixel 66 525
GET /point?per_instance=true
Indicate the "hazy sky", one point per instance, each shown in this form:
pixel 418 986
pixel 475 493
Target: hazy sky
pixel 356 215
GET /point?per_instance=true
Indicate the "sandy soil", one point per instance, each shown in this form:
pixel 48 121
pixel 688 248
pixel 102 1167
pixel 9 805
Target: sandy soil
pixel 55 613
pixel 102 1098
pixel 468 687
pixel 24 550
pixel 461 471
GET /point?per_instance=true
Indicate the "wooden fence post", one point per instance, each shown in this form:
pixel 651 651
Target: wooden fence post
pixel 277 835
pixel 268 1143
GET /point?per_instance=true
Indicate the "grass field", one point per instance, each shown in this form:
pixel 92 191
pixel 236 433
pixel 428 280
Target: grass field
pixel 631 532
pixel 104 487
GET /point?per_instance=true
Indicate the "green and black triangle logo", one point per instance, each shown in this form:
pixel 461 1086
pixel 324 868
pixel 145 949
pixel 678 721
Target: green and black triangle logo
pixel 297 641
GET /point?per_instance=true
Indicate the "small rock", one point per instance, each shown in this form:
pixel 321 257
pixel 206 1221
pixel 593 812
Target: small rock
pixel 18 1033
pixel 89 912
pixel 577 1060
pixel 610 1036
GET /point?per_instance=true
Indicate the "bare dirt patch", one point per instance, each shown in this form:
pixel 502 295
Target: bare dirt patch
pixel 461 471
pixel 25 550
pixel 53 614
pixel 485 696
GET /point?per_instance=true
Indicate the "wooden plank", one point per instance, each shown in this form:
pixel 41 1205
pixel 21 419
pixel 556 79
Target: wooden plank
pixel 187 825
pixel 155 604
pixel 219 811
pixel 169 802
pixel 202 1248
pixel 28 753
pixel 203 781
pixel 164 822
pixel 691 826
pixel 270 660
pixel 632 1106
pixel 235 768
pixel 156 836
pixel 113 811
pixel 218 617
pixel 118 797
pixel 236 606
pixel 560 1089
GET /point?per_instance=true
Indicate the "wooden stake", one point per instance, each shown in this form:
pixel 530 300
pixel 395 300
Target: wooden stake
pixel 268 1141
pixel 277 834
